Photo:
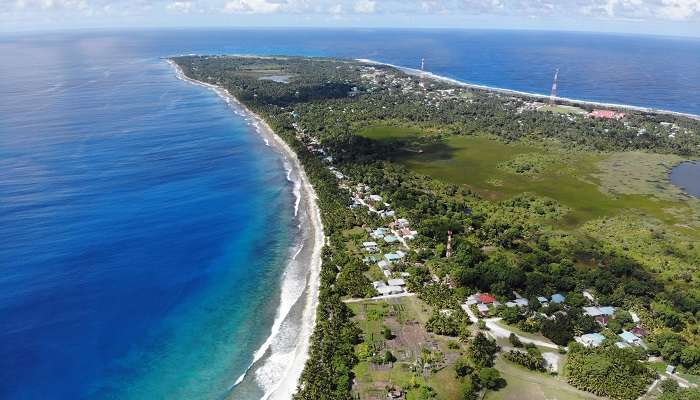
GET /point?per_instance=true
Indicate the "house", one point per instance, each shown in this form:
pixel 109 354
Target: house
pixel 588 295
pixel 521 302
pixel 485 298
pixel 558 298
pixel 390 239
pixel 383 264
pixel 607 310
pixel 602 320
pixel 378 284
pixel 590 339
pixel 388 289
pixel 387 213
pixel 378 233
pixel 516 303
pixel 670 369
pixel 400 253
pixel 371 247
pixel 543 300
pixel 375 197
pixel 407 232
pixel 483 309
pixel 401 223
pixel 598 311
pixel 630 338
pixel 396 282
pixel 639 331
pixel 391 257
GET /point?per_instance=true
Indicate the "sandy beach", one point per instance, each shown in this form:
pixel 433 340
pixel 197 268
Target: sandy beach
pixel 281 372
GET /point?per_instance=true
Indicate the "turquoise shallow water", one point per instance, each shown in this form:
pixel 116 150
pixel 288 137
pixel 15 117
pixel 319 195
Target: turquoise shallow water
pixel 144 227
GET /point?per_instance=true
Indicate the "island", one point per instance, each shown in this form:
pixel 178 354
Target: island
pixel 482 243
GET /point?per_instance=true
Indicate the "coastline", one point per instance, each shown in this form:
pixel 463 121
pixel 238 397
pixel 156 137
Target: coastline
pixel 311 227
pixel 430 75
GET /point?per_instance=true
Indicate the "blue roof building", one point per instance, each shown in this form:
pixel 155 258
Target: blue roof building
pixel 558 298
pixel 630 337
pixel 390 238
pixel 591 339
pixel 392 257
pixel 607 310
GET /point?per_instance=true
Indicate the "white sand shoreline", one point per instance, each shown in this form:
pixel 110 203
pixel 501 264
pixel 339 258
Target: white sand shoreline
pixel 287 385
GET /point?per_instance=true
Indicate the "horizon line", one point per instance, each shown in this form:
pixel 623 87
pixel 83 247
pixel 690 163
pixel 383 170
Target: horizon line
pixel 336 28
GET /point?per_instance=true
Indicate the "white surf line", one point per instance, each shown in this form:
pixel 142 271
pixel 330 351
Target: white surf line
pixel 286 387
pixel 417 72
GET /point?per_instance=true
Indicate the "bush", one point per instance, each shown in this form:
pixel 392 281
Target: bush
pixel 447 325
pixel 463 367
pixel 490 378
pixel 515 340
pixel 386 332
pixel 532 359
pixel 482 350
pixel 669 386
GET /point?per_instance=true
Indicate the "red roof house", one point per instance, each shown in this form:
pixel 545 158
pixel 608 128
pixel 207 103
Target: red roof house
pixel 486 298
pixel 607 114
pixel 637 331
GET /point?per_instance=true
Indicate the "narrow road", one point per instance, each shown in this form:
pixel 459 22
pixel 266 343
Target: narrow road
pixel 388 296
pixel 497 331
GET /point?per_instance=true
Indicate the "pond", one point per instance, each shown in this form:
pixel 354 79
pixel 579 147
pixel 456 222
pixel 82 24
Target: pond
pixel 687 176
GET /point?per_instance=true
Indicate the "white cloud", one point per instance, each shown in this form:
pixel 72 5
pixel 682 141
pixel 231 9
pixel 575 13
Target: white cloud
pixel 252 6
pixel 365 6
pixel 356 10
pixel 181 6
pixel 336 9
pixel 679 10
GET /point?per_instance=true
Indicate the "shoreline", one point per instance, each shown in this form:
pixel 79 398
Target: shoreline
pixel 309 215
pixel 430 75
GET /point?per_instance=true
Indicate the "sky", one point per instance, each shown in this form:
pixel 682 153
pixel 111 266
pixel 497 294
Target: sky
pixel 661 17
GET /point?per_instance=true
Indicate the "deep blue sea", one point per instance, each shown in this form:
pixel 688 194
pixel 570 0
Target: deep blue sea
pixel 144 227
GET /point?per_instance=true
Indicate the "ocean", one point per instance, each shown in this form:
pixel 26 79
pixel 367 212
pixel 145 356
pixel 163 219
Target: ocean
pixel 145 227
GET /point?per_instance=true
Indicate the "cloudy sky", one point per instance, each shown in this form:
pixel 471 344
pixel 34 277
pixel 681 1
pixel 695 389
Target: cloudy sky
pixel 666 17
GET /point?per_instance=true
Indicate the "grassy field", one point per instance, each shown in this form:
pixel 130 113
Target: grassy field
pixel 592 185
pixel 524 384
pixel 569 177
pixel 406 318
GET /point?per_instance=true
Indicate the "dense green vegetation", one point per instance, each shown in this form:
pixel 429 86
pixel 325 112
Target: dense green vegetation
pixel 530 359
pixel 523 194
pixel 608 371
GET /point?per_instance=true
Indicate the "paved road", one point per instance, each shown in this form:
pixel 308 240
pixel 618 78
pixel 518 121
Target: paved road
pixel 497 331
pixel 388 296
